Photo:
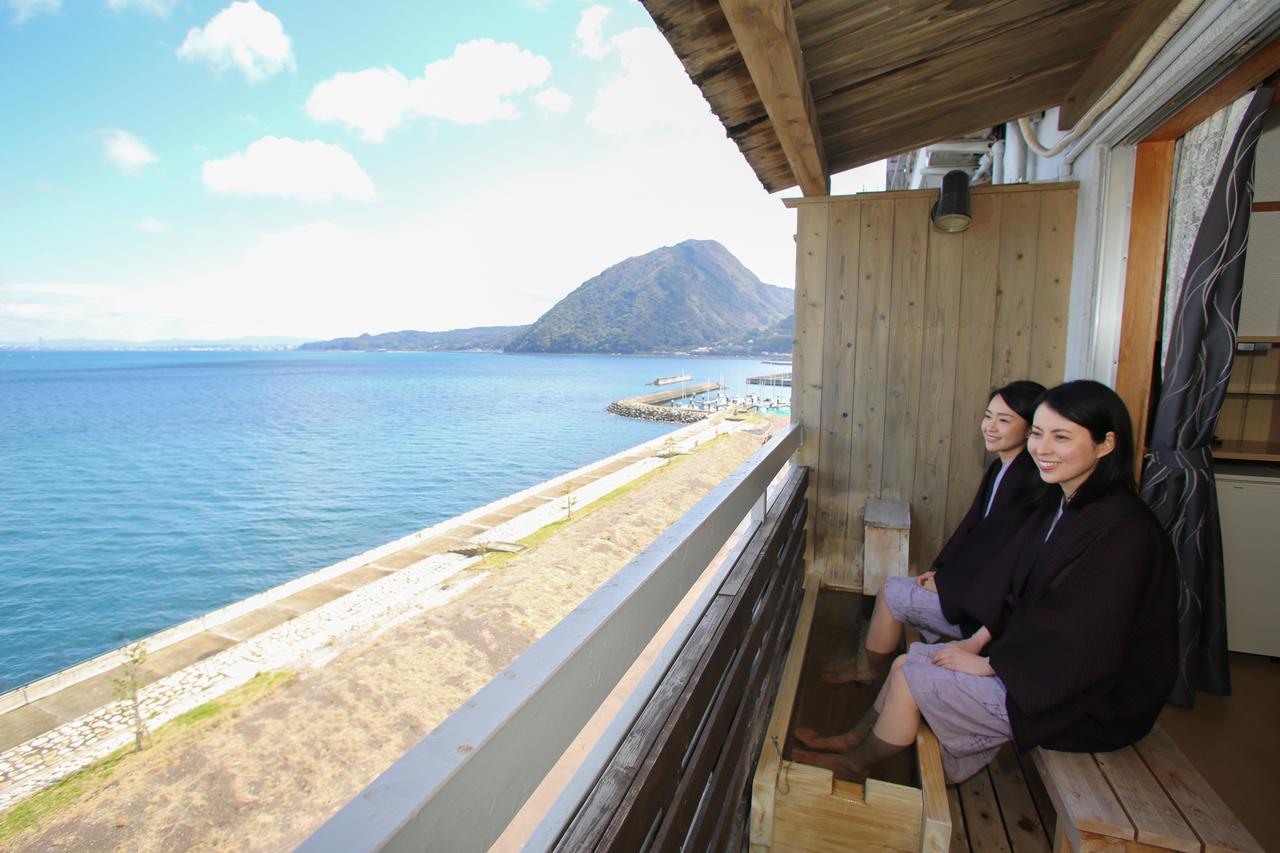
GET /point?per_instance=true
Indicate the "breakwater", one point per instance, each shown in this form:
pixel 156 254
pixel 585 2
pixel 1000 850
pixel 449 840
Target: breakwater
pixel 648 407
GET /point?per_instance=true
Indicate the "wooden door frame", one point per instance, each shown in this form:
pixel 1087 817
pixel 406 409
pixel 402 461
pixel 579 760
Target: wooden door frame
pixel 1148 232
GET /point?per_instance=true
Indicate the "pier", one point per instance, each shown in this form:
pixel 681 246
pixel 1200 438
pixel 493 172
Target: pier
pixel 671 380
pixel 780 380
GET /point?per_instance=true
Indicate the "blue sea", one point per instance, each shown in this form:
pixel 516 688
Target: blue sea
pixel 141 489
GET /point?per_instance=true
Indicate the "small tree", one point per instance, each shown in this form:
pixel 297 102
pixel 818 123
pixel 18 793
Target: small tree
pixel 570 500
pixel 125 689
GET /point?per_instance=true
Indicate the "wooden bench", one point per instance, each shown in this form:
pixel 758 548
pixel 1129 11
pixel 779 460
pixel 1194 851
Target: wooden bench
pixel 1144 797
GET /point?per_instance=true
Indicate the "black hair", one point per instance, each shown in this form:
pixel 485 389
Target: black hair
pixel 1021 396
pixel 1100 410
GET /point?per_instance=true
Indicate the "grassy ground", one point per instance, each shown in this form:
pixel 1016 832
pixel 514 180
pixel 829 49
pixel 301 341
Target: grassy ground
pixel 40 807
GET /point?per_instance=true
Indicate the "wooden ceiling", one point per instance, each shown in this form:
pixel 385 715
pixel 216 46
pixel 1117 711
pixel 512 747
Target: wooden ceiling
pixel 814 87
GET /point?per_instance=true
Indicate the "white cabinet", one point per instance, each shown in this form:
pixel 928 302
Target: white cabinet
pixel 1249 505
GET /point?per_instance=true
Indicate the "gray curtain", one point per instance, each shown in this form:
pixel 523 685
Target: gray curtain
pixel 1178 480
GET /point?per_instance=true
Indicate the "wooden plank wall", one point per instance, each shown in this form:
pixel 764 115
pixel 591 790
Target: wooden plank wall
pixel 901 331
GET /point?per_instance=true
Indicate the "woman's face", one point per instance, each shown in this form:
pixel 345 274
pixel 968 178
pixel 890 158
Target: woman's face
pixel 1063 450
pixel 1003 430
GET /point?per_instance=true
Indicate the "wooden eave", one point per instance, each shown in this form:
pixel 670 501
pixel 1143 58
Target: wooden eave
pixel 887 77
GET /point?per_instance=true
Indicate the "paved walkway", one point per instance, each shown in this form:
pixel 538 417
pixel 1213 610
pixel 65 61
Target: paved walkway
pixel 51 736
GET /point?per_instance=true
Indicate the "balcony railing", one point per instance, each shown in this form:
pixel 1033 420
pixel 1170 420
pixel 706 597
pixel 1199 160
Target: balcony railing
pixel 460 786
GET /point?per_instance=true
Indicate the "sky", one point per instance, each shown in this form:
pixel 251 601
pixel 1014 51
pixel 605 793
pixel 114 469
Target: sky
pixel 183 169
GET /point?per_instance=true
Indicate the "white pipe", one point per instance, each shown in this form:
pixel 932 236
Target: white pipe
pixel 984 168
pixel 1152 46
pixel 1016 148
pixel 997 162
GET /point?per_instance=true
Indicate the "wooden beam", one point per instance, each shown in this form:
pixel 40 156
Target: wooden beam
pixel 1105 68
pixel 1248 74
pixel 765 31
pixel 1144 283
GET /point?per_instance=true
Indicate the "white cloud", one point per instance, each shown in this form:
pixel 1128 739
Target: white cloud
pixel 243 36
pixel 24 9
pixel 552 100
pixel 589 37
pixel 127 152
pixel 652 91
pixel 154 7
pixel 372 101
pixel 474 86
pixel 152 225
pixel 311 171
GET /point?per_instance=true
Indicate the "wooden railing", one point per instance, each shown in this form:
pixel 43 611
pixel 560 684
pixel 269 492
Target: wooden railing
pixel 459 787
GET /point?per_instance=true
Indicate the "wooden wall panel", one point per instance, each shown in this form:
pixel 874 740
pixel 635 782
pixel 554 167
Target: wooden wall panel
pixel 976 353
pixel 937 391
pixel 1015 288
pixel 806 354
pixel 906 338
pixel 1053 286
pixel 832 530
pixel 871 360
pixel 901 331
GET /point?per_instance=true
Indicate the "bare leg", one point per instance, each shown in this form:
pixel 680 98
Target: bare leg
pixel 894 730
pixel 883 640
pixel 856 735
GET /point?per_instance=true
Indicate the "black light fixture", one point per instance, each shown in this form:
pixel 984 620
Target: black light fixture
pixel 951 211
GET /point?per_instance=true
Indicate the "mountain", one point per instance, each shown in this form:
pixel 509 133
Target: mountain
pixel 457 340
pixel 691 297
pixel 251 343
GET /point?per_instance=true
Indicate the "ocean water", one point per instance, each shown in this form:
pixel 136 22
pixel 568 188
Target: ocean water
pixel 143 489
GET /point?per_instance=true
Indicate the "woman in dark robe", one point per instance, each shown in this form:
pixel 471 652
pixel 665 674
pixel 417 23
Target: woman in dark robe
pixel 1084 651
pixel 931 602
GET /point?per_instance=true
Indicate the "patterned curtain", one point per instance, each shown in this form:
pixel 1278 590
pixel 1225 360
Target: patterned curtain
pixel 1178 480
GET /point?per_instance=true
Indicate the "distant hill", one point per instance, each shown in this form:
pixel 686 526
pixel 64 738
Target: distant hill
pixel 251 343
pixel 490 338
pixel 690 297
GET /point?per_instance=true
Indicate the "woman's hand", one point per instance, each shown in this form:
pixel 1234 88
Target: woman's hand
pixel 925 581
pixel 952 657
pixel 976 643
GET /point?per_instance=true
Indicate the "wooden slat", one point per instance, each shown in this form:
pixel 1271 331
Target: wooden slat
pixel 1053 286
pixel 764 783
pixel 959 830
pixel 806 353
pixel 726 725
pixel 836 536
pixel 1266 206
pixel 1144 282
pixel 766 34
pixel 1039 794
pixel 1015 290
pixel 982 815
pixel 1155 818
pixel 1125 41
pixel 1081 795
pixel 1203 809
pixel 937 395
pixel 871 354
pixel 1248 74
pixel 906 337
pixel 935 824
pixel 704 816
pixel 1017 808
pixel 973 372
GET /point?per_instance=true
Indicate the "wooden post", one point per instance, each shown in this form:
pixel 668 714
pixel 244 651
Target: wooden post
pixel 887 536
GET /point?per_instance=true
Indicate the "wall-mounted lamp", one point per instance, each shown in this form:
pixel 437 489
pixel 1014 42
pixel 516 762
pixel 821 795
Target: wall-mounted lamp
pixel 951 211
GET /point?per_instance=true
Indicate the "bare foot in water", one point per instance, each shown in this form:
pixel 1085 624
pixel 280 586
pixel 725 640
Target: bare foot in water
pixel 848 671
pixel 838 763
pixel 826 743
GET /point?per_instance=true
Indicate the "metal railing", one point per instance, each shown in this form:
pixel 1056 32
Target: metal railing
pixel 459 787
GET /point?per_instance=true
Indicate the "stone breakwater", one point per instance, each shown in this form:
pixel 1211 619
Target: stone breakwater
pixel 647 407
pixel 629 408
